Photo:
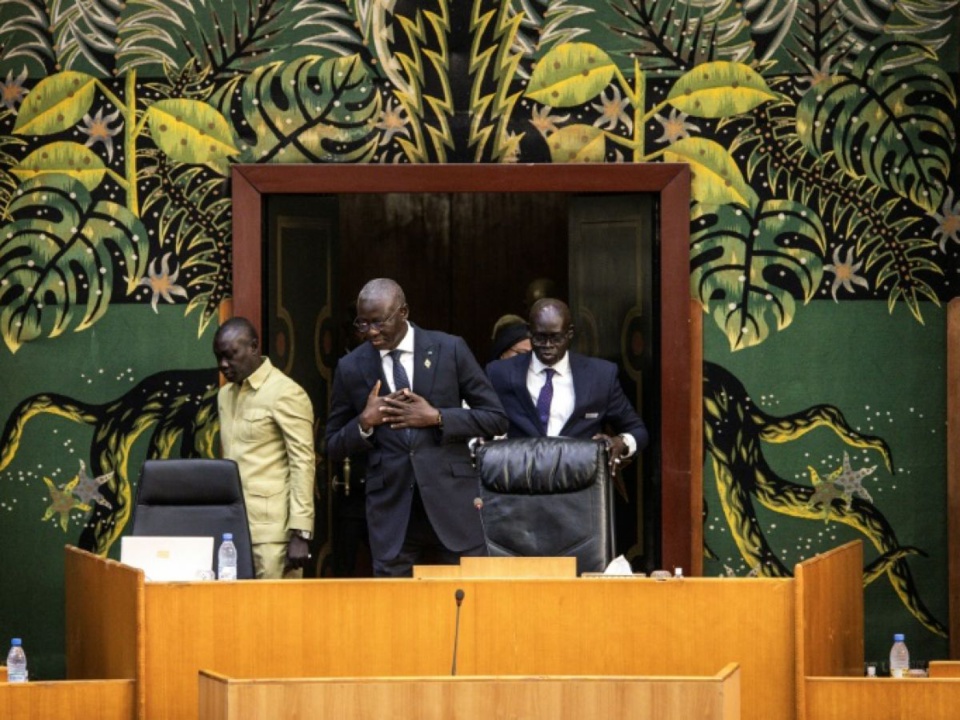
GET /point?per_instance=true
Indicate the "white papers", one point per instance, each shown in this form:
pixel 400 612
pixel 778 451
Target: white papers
pixel 168 559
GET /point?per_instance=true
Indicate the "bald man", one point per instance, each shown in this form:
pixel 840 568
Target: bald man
pixel 409 399
pixel 266 426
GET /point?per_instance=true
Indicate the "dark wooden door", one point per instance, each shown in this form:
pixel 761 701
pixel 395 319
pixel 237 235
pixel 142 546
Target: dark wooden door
pixel 612 295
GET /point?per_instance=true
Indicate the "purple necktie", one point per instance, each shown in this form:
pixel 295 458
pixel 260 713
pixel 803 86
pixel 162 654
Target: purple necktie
pixel 545 398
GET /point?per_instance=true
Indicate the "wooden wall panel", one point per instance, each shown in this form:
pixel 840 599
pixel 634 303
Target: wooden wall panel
pixel 105 619
pixel 830 608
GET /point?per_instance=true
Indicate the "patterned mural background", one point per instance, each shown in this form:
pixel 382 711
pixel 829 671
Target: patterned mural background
pixel 825 234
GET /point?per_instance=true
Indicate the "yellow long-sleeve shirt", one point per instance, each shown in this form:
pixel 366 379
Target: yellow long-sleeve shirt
pixel 266 426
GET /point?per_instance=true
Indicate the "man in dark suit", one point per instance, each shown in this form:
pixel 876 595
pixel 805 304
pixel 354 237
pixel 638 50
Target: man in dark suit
pixel 553 392
pixel 399 398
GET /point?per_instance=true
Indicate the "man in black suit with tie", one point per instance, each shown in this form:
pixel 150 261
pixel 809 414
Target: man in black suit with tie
pixel 399 398
pixel 553 392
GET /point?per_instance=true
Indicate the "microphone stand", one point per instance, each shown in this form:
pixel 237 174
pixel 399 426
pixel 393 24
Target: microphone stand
pixel 456 633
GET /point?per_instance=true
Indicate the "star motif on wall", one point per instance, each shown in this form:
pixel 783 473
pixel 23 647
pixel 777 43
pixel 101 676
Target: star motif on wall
pixel 62 501
pixel 825 491
pixel 88 488
pixel 850 481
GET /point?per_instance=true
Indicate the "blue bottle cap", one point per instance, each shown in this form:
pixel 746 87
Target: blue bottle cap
pixel 898 637
pixel 228 536
pixel 16 641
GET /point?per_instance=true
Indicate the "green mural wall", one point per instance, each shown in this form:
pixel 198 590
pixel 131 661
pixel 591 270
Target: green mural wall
pixel 825 231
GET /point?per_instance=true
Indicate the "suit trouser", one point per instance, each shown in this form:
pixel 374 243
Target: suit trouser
pixel 421 545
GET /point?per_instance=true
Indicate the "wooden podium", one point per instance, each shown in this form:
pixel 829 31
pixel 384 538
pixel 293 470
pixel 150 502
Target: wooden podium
pixel 474 698
pixel 163 634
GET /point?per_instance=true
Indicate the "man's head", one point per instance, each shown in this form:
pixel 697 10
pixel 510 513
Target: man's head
pixel 511 336
pixel 551 330
pixel 237 349
pixel 382 314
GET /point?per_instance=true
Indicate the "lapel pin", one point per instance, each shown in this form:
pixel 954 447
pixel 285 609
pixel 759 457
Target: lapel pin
pixel 426 363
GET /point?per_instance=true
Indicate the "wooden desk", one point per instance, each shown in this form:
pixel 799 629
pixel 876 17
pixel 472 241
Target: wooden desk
pixel 68 700
pixel 944 669
pixel 601 627
pixel 836 698
pixel 473 698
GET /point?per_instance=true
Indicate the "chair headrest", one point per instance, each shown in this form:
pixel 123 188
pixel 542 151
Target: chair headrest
pixel 541 466
pixel 189 482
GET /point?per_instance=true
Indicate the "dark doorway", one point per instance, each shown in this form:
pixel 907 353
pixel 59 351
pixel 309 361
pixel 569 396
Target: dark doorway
pixel 466 256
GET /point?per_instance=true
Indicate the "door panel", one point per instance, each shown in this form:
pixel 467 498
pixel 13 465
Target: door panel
pixel 611 297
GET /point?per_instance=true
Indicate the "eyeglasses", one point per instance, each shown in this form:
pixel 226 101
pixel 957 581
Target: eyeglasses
pixel 364 327
pixel 549 338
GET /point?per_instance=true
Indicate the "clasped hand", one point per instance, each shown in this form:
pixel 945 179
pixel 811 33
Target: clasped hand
pixel 400 410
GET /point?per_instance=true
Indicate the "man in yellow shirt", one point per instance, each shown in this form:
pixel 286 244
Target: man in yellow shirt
pixel 266 426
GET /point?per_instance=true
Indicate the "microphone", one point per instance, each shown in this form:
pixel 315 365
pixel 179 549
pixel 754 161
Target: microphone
pixel 458 595
pixel 478 504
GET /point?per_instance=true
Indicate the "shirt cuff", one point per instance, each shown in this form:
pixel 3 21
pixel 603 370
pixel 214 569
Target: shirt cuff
pixel 366 435
pixel 631 442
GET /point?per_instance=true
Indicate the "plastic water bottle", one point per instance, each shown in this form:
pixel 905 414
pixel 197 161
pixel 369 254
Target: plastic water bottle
pixel 899 658
pixel 16 662
pixel 227 559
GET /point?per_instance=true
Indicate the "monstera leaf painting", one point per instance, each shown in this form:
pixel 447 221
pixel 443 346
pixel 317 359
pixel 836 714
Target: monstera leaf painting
pixel 311 110
pixel 884 121
pixel 754 264
pixel 60 256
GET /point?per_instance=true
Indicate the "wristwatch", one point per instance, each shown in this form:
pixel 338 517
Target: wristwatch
pixel 303 534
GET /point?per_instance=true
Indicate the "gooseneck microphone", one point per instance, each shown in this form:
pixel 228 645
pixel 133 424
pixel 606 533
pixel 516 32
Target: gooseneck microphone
pixel 458 595
pixel 478 504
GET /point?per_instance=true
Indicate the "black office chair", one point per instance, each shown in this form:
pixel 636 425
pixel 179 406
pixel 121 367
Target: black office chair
pixel 547 497
pixel 194 497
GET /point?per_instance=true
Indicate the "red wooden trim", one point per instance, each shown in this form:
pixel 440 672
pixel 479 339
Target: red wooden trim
pixel 248 249
pixel 953 473
pixel 675 369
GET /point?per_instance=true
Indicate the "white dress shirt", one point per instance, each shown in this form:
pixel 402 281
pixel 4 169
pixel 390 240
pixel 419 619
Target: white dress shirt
pixel 561 408
pixel 564 397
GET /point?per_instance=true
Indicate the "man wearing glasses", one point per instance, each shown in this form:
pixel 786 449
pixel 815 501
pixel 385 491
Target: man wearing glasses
pixel 553 392
pixel 409 399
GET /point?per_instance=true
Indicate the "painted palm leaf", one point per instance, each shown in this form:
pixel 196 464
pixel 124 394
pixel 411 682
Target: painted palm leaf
pixel 25 38
pixel 85 34
pixel 886 122
pixel 229 37
pixel 60 258
pixel 756 265
pixel 311 110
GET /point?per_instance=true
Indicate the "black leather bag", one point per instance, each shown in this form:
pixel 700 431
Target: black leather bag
pixel 547 497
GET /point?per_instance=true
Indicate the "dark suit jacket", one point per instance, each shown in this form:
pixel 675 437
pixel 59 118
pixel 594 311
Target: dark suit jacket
pixel 437 460
pixel 600 405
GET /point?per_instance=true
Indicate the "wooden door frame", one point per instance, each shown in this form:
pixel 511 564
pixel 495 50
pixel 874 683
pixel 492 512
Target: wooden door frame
pixel 680 432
